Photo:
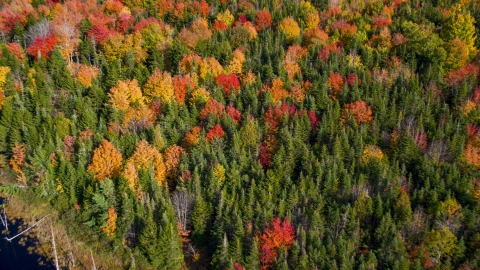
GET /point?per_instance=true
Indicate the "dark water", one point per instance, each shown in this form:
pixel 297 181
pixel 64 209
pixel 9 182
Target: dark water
pixel 14 256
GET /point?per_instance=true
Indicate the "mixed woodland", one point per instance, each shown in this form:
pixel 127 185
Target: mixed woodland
pixel 241 134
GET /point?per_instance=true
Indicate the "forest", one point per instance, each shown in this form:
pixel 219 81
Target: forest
pixel 246 134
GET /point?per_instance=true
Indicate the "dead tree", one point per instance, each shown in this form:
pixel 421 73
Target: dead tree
pixel 182 203
pixel 54 245
pixel 26 230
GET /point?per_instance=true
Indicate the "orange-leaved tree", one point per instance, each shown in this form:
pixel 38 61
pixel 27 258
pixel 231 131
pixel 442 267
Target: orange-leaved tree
pixel 146 154
pixel 106 161
pixel 180 86
pixel 335 83
pixel 212 107
pixel 173 156
pixel 359 110
pixel 192 138
pixel 18 160
pixel 263 19
pixel 111 227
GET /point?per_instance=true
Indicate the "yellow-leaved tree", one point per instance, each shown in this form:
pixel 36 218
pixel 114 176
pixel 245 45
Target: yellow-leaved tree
pixel 3 79
pixel 125 93
pixel 159 85
pixel 290 27
pixel 106 161
pixel 460 25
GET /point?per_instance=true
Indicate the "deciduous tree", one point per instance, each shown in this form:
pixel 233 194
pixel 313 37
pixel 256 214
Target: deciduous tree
pixel 106 161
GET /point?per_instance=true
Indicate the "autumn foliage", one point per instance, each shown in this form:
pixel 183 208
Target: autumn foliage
pixel 111 227
pixel 212 107
pixel 290 27
pixel 229 83
pixel 472 151
pixel 106 161
pixel 335 82
pixel 173 156
pixel 125 93
pixel 18 160
pixel 197 32
pixel 279 234
pixel 263 19
pixel 192 138
pixel 215 132
pixel 159 86
pixel 144 155
pixel 181 84
pixel 42 46
pixel 359 111
pixel 235 114
pixel 3 79
pixel 457 76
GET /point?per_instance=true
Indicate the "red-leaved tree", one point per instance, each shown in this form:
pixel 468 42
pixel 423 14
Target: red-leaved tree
pixel 275 236
pixel 212 107
pixel 215 132
pixel 42 46
pixel 235 114
pixel 228 82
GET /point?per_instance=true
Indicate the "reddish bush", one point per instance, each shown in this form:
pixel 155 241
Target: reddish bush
pixel 215 132
pixel 202 8
pixel 124 22
pixel 235 114
pixel 212 107
pixel 42 46
pixel 228 82
pixel 335 83
pixel 380 21
pixel 313 120
pixel 180 85
pixel 68 147
pixel 263 20
pixel 100 33
pixel 457 76
pixel 275 236
pixel 219 26
pixel 16 49
pixel 144 23
pixel 350 79
pixel 420 138
pixel 475 96
pixel 274 115
pixel 359 110
pixel 326 51
pixel 264 157
pixel 472 129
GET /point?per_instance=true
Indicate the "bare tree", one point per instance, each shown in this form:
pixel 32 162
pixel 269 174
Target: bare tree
pixel 41 29
pixel 54 247
pixel 438 151
pixel 183 205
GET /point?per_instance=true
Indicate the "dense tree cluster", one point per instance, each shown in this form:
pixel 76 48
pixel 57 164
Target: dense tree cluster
pixel 271 134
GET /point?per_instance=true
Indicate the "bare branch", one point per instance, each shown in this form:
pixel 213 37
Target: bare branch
pixel 24 231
